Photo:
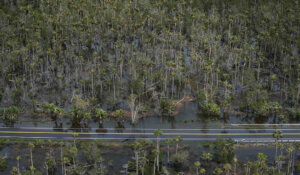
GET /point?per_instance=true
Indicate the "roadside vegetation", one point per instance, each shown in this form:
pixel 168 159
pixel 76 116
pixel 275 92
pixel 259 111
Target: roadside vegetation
pixel 143 157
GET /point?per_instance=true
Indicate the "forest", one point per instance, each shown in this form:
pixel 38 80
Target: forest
pixel 78 63
pixel 228 55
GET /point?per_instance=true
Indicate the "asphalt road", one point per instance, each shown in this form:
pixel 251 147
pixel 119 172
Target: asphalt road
pixel 244 135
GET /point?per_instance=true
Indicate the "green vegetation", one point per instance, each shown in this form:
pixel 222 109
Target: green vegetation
pixel 9 114
pixel 139 157
pixel 77 61
pixel 224 150
pixel 147 53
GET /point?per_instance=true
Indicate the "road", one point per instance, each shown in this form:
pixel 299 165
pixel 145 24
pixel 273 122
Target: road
pixel 244 135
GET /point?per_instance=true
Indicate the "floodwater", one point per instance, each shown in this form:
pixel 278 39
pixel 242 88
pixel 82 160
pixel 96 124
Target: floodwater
pixel 187 118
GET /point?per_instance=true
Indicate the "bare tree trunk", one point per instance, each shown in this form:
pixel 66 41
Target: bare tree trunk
pixel 62 160
pixel 136 162
pixel 154 166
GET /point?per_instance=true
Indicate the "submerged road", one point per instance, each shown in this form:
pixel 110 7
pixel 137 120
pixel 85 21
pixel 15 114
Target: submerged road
pixel 239 135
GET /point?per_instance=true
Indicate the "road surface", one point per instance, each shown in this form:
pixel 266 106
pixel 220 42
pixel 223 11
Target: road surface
pixel 243 135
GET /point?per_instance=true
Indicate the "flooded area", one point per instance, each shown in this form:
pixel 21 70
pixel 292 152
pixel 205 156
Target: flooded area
pixel 187 118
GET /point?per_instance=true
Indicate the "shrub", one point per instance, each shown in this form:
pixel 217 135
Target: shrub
pixel 207 105
pixel 166 106
pixel 224 150
pixel 9 114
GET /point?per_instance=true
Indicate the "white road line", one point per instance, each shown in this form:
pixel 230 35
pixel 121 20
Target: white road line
pixel 147 129
pixel 283 124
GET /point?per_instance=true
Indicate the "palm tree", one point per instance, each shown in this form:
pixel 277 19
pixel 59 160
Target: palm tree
pixel 177 139
pixel 74 135
pixel 235 160
pixel 100 160
pixel 143 161
pixel 262 158
pixel 100 114
pixel 73 152
pixel 227 168
pixel 168 141
pixel 155 152
pixel 202 171
pixel 18 163
pixel 66 161
pixel 218 171
pixel 157 133
pixel 206 157
pixel 61 156
pixel 14 171
pixel 197 165
pixel 290 151
pixel 31 146
pixel 136 147
pixel 277 134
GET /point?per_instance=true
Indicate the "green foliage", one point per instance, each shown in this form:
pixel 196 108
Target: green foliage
pixel 293 112
pixel 166 106
pixel 260 166
pixel 224 150
pixel 180 157
pixel 217 171
pixel 99 113
pixel 158 132
pixel 3 164
pixel 1 94
pixel 107 50
pixel 9 114
pixel 53 110
pixel 120 113
pixel 16 96
pixel 207 106
pixel 257 101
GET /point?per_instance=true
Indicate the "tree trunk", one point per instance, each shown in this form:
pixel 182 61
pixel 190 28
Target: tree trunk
pixel 154 166
pixel 157 156
pixel 168 153
pixel 136 163
pixel 62 160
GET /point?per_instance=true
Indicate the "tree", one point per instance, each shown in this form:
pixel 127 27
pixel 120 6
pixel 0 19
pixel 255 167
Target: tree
pixel 277 134
pixel 9 114
pixel 217 171
pixel 197 165
pixel 74 135
pixel 177 139
pixel 134 106
pixel 224 150
pixel 235 161
pixel 202 171
pixel 73 152
pixel 61 144
pixel 14 171
pixel 227 168
pixel 206 157
pixel 136 147
pixel 168 141
pixel 290 165
pixel 31 147
pixel 158 133
pixel 262 166
pixel 155 152
pixel 18 158
pixel 100 114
